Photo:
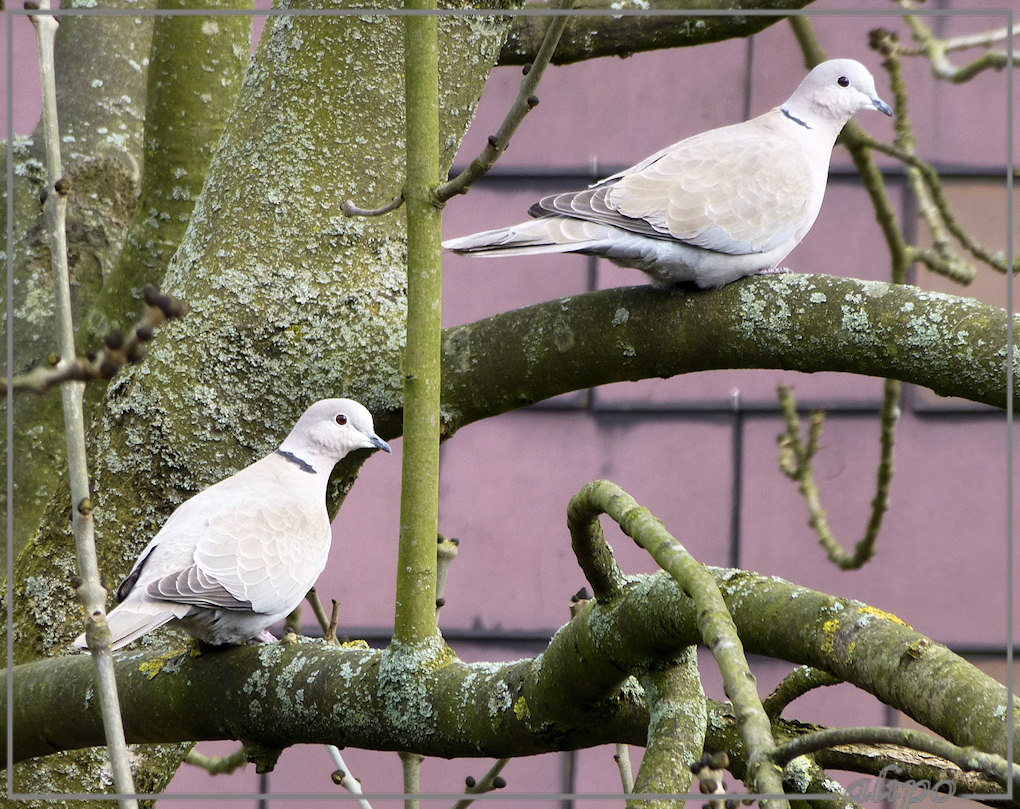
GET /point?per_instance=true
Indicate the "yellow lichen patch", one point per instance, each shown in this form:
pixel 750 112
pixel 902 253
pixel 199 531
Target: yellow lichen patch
pixel 883 614
pixel 354 644
pixel 521 709
pixel 154 665
pixel 829 629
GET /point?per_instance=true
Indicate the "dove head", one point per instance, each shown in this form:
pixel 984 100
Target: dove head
pixel 832 92
pixel 330 429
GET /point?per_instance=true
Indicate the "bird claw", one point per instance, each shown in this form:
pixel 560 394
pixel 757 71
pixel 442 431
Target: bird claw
pixel 774 271
pixel 265 636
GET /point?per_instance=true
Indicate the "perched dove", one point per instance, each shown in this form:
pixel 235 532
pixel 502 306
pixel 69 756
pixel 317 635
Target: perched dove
pixel 240 555
pixel 713 208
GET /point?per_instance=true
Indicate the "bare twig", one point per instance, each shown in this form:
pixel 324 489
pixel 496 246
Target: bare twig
pixel 334 621
pixel 796 461
pixel 525 102
pixel 446 552
pixel 795 684
pixel 966 758
pixel 411 765
pixel 342 777
pixel 320 613
pixel 91 591
pixel 938 197
pixel 936 50
pixel 350 209
pixel 711 771
pixel 490 781
pixel 622 759
pixel 117 351
pixel 218 765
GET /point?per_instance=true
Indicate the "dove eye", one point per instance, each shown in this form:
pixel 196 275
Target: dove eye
pixel 341 419
pixel 843 81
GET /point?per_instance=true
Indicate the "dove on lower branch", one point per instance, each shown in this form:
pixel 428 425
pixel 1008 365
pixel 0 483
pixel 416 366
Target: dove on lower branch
pixel 712 208
pixel 239 556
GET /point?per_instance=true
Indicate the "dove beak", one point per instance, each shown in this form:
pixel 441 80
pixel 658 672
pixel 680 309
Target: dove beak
pixel 880 105
pixel 377 442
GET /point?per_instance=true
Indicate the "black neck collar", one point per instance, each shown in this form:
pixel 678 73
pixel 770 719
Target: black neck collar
pixel 793 118
pixel 304 466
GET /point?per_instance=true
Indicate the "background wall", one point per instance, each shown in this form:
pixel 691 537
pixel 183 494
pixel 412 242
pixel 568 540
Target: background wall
pixel 698 450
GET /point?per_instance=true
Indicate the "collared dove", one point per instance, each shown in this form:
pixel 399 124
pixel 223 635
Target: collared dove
pixel 712 208
pixel 239 556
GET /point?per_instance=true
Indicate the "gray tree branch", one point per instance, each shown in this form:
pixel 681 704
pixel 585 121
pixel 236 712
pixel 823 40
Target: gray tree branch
pixel 218 694
pixel 955 346
pixel 589 36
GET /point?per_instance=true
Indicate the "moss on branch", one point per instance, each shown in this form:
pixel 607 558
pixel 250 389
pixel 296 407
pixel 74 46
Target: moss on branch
pixel 576 694
pixel 955 346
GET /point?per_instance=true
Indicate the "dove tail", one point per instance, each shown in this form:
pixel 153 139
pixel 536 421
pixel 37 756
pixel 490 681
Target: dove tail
pixel 134 618
pixel 543 235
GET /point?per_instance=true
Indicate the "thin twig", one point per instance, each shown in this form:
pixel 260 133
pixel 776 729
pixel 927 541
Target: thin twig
pixel 943 257
pixel 411 766
pixel 334 621
pixel 91 591
pixel 350 209
pixel 525 102
pixel 966 758
pixel 796 458
pixel 218 765
pixel 117 351
pixel 342 777
pixel 795 684
pixel 935 50
pixel 622 759
pixel 938 195
pixel 490 781
pixel 446 552
pixel 320 613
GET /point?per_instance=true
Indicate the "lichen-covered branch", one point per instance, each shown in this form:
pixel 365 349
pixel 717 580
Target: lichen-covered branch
pixel 795 684
pixel 715 625
pixel 677 723
pixel 955 346
pixel 608 33
pixel 968 759
pixel 195 68
pixel 576 694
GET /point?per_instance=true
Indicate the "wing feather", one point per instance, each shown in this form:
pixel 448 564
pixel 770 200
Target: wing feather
pixel 735 192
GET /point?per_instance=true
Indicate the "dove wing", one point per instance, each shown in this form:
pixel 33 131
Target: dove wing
pixel 736 190
pixel 262 554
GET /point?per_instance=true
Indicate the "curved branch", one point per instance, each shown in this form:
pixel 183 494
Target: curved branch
pixel 968 759
pixel 714 621
pixel 609 34
pixel 575 694
pixel 955 346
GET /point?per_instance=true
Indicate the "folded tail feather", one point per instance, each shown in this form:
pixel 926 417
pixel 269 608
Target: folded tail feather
pixel 132 619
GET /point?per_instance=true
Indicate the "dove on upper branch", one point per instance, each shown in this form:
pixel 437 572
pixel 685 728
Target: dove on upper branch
pixel 712 208
pixel 239 556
